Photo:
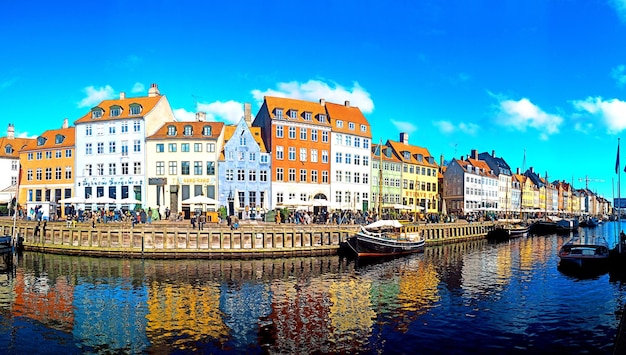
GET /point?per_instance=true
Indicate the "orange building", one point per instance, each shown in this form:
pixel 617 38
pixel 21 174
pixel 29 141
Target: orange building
pixel 48 169
pixel 297 133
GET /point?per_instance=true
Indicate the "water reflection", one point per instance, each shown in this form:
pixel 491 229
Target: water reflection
pixel 488 297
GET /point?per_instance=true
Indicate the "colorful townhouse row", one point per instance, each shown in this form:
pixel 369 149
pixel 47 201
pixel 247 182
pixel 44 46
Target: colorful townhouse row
pixel 131 151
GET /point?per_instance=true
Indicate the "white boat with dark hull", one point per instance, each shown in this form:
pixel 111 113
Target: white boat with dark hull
pixel 386 238
pixel 585 252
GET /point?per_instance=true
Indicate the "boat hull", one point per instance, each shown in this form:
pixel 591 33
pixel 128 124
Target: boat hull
pixel 584 253
pixel 372 246
pixel 506 232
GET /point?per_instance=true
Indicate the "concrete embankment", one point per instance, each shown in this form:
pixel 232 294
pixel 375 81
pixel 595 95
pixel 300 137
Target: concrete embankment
pixel 164 239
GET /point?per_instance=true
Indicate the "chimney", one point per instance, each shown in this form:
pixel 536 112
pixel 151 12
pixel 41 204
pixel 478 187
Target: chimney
pixel 65 123
pixel 247 114
pixel 441 160
pixel 493 153
pixel 11 131
pixel 322 102
pixel 122 95
pixel 517 171
pixel 404 138
pixel 347 103
pixel 532 170
pixel 154 90
pixel 200 116
pixel 474 154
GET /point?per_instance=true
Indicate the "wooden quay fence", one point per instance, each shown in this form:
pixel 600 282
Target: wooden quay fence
pixel 164 239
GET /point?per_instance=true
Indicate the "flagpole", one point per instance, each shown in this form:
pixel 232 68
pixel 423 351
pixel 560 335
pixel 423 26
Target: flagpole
pixel 619 214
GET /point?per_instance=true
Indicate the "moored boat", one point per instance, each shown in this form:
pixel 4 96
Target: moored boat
pixel 504 231
pixel 585 252
pixel 386 238
pixel 567 225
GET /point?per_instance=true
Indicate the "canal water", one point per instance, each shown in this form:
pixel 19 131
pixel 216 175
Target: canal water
pixel 471 297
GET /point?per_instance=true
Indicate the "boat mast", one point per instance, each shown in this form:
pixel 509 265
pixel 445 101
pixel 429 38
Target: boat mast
pixel 619 214
pixel 17 195
pixel 380 178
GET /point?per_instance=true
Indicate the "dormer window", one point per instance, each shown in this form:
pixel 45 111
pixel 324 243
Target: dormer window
pixel 59 138
pixel 278 113
pixel 339 124
pixel 351 126
pixel 321 118
pixel 171 130
pixel 363 128
pixel 206 131
pixel 115 111
pixel 307 116
pixel 406 155
pixel 293 114
pixel 135 109
pixel 97 112
pixel 41 141
pixel 187 130
pixel 419 157
pixel 8 149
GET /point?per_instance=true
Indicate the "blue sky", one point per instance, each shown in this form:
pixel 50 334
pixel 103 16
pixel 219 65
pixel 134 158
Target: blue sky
pixel 541 79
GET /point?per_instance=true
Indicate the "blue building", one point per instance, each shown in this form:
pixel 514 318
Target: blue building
pixel 244 170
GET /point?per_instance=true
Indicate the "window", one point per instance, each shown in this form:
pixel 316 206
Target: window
pixel 172 167
pixel 206 130
pixel 338 176
pixel 278 113
pixel 279 174
pixel 124 168
pixel 351 126
pixel 324 156
pixel 348 158
pixel 303 175
pixel 171 147
pixel 38 174
pixel 252 175
pixel 242 140
pixel 357 142
pixel 184 167
pixel 313 155
pixel 137 168
pixel 264 158
pixel 366 160
pixel 14 165
pixel 292 153
pixel 229 175
pixel 29 156
pixel 137 126
pixel 210 147
pixel 348 141
pixel 87 150
pixel 230 155
pixel 115 111
pixel 348 177
pixel 314 176
pixel 322 118
pixel 124 148
pixel 197 147
pixel 96 113
pixel 292 132
pixel 197 168
pixel 303 134
pixel 363 128
pixel 339 139
pixel 357 159
pixel 112 168
pixel 124 127
pixel 241 156
pixel 29 174
pixel 292 174
pixel 187 130
pixel 279 131
pixel 324 177
pixel 338 196
pixel 293 114
pixel 68 172
pixel 48 173
pixel 339 123
pixel 279 197
pixel 366 179
pixel 184 147
pixel 210 168
pixel 279 153
pixel 135 109
pixel 314 135
pixel 160 168
pixel 58 154
pixel 252 156
pixel 303 154
pixel 48 155
pixel 111 147
pixel 263 175
pixel 357 178
pixel 325 137
pixel 100 147
pixel 88 171
pixel 100 169
pixel 366 143
pixel 137 146
pixel 160 148
pixel 338 157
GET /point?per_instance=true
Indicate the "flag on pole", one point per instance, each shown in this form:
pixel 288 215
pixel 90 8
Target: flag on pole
pixel 617 160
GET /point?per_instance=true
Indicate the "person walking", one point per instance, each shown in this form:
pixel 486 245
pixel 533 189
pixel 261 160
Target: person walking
pixel 201 221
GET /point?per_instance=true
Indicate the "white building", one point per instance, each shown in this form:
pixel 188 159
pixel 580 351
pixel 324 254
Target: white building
pixel 10 163
pixel 110 146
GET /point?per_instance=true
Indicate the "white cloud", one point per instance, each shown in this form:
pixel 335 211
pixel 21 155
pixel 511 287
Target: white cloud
pixel 620 7
pixel 447 127
pixel 96 95
pixel 138 87
pixel 523 114
pixel 6 83
pixel 229 111
pixel 611 112
pixel 183 115
pixel 313 90
pixel 404 126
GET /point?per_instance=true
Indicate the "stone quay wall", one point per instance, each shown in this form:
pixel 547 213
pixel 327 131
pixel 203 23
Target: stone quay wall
pixel 164 239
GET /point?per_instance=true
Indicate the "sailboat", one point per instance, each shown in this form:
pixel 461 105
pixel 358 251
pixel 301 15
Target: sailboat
pixel 386 238
pixel 510 228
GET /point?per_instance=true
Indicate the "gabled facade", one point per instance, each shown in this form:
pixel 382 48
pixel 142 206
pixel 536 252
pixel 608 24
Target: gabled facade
pixel 420 183
pixel 463 187
pixel 297 133
pixel 10 147
pixel 500 167
pixel 350 158
pixel 48 167
pixel 389 167
pixel 182 163
pixel 244 171
pixel 111 143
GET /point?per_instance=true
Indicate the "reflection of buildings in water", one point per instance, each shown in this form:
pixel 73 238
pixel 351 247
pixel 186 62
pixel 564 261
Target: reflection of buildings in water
pixel 180 315
pixel 49 301
pixel 110 314
pixel 7 281
pixel 351 314
pixel 245 303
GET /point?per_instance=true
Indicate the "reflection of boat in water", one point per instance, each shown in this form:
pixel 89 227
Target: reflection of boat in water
pixel 543 227
pixel 585 252
pixel 567 225
pixel 386 238
pixel 505 231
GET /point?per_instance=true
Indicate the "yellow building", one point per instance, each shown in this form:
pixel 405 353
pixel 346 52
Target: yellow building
pixel 47 164
pixel 419 176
